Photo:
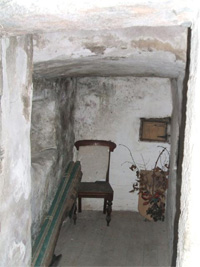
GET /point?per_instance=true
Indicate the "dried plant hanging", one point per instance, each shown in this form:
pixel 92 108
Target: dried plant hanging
pixel 151 185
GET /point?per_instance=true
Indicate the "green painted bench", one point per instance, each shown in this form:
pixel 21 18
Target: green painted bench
pixel 65 198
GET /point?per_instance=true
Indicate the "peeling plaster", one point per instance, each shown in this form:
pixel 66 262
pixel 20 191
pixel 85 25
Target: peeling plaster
pixel 98 50
pixel 16 252
pixel 153 45
pixel 136 51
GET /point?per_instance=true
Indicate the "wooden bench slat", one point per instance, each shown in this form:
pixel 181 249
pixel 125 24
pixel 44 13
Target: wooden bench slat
pixel 46 224
pixel 45 243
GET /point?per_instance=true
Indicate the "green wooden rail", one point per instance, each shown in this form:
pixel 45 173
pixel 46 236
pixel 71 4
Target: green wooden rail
pixel 45 243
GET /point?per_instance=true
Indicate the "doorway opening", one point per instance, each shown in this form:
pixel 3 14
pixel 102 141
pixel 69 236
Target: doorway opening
pixel 102 94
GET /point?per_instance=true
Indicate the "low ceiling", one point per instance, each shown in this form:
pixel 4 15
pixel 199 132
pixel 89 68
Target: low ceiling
pixel 135 51
pixel 102 38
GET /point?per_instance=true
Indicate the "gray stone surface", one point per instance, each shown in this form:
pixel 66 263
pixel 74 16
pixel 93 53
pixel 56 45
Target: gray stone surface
pixel 128 241
pixel 15 156
pixel 52 141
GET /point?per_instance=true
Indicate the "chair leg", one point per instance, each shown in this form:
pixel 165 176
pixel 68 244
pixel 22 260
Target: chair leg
pixel 109 210
pixel 55 260
pixel 79 205
pixel 104 205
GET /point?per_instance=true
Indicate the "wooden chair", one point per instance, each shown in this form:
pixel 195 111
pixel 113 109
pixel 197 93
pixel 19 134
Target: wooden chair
pixel 94 156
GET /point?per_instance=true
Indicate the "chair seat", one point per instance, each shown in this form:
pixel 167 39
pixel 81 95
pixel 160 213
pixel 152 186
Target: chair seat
pixel 98 190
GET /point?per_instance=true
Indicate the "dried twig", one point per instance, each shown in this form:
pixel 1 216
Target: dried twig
pixel 152 194
pixel 130 155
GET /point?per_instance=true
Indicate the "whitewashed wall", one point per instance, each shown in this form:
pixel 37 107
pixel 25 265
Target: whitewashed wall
pixel 15 156
pixel 189 230
pixel 110 109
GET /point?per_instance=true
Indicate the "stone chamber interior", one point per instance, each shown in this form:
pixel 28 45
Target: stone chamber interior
pixel 97 85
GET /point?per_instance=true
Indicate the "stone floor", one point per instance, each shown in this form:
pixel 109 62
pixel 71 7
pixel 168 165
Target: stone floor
pixel 128 241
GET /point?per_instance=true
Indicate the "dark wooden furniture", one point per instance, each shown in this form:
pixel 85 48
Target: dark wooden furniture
pixel 97 189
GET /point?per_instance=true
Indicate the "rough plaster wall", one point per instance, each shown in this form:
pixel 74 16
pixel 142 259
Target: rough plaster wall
pixel 189 230
pixel 136 51
pixel 20 16
pixel 65 121
pixel 52 141
pixel 110 109
pixel 15 181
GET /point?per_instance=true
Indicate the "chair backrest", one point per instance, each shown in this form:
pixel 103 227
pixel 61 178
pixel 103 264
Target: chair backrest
pixel 94 156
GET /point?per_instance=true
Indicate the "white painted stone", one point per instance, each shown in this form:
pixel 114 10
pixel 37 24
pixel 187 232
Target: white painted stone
pixel 27 16
pixel 189 231
pixel 136 51
pixel 110 109
pixel 17 252
pixel 15 185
